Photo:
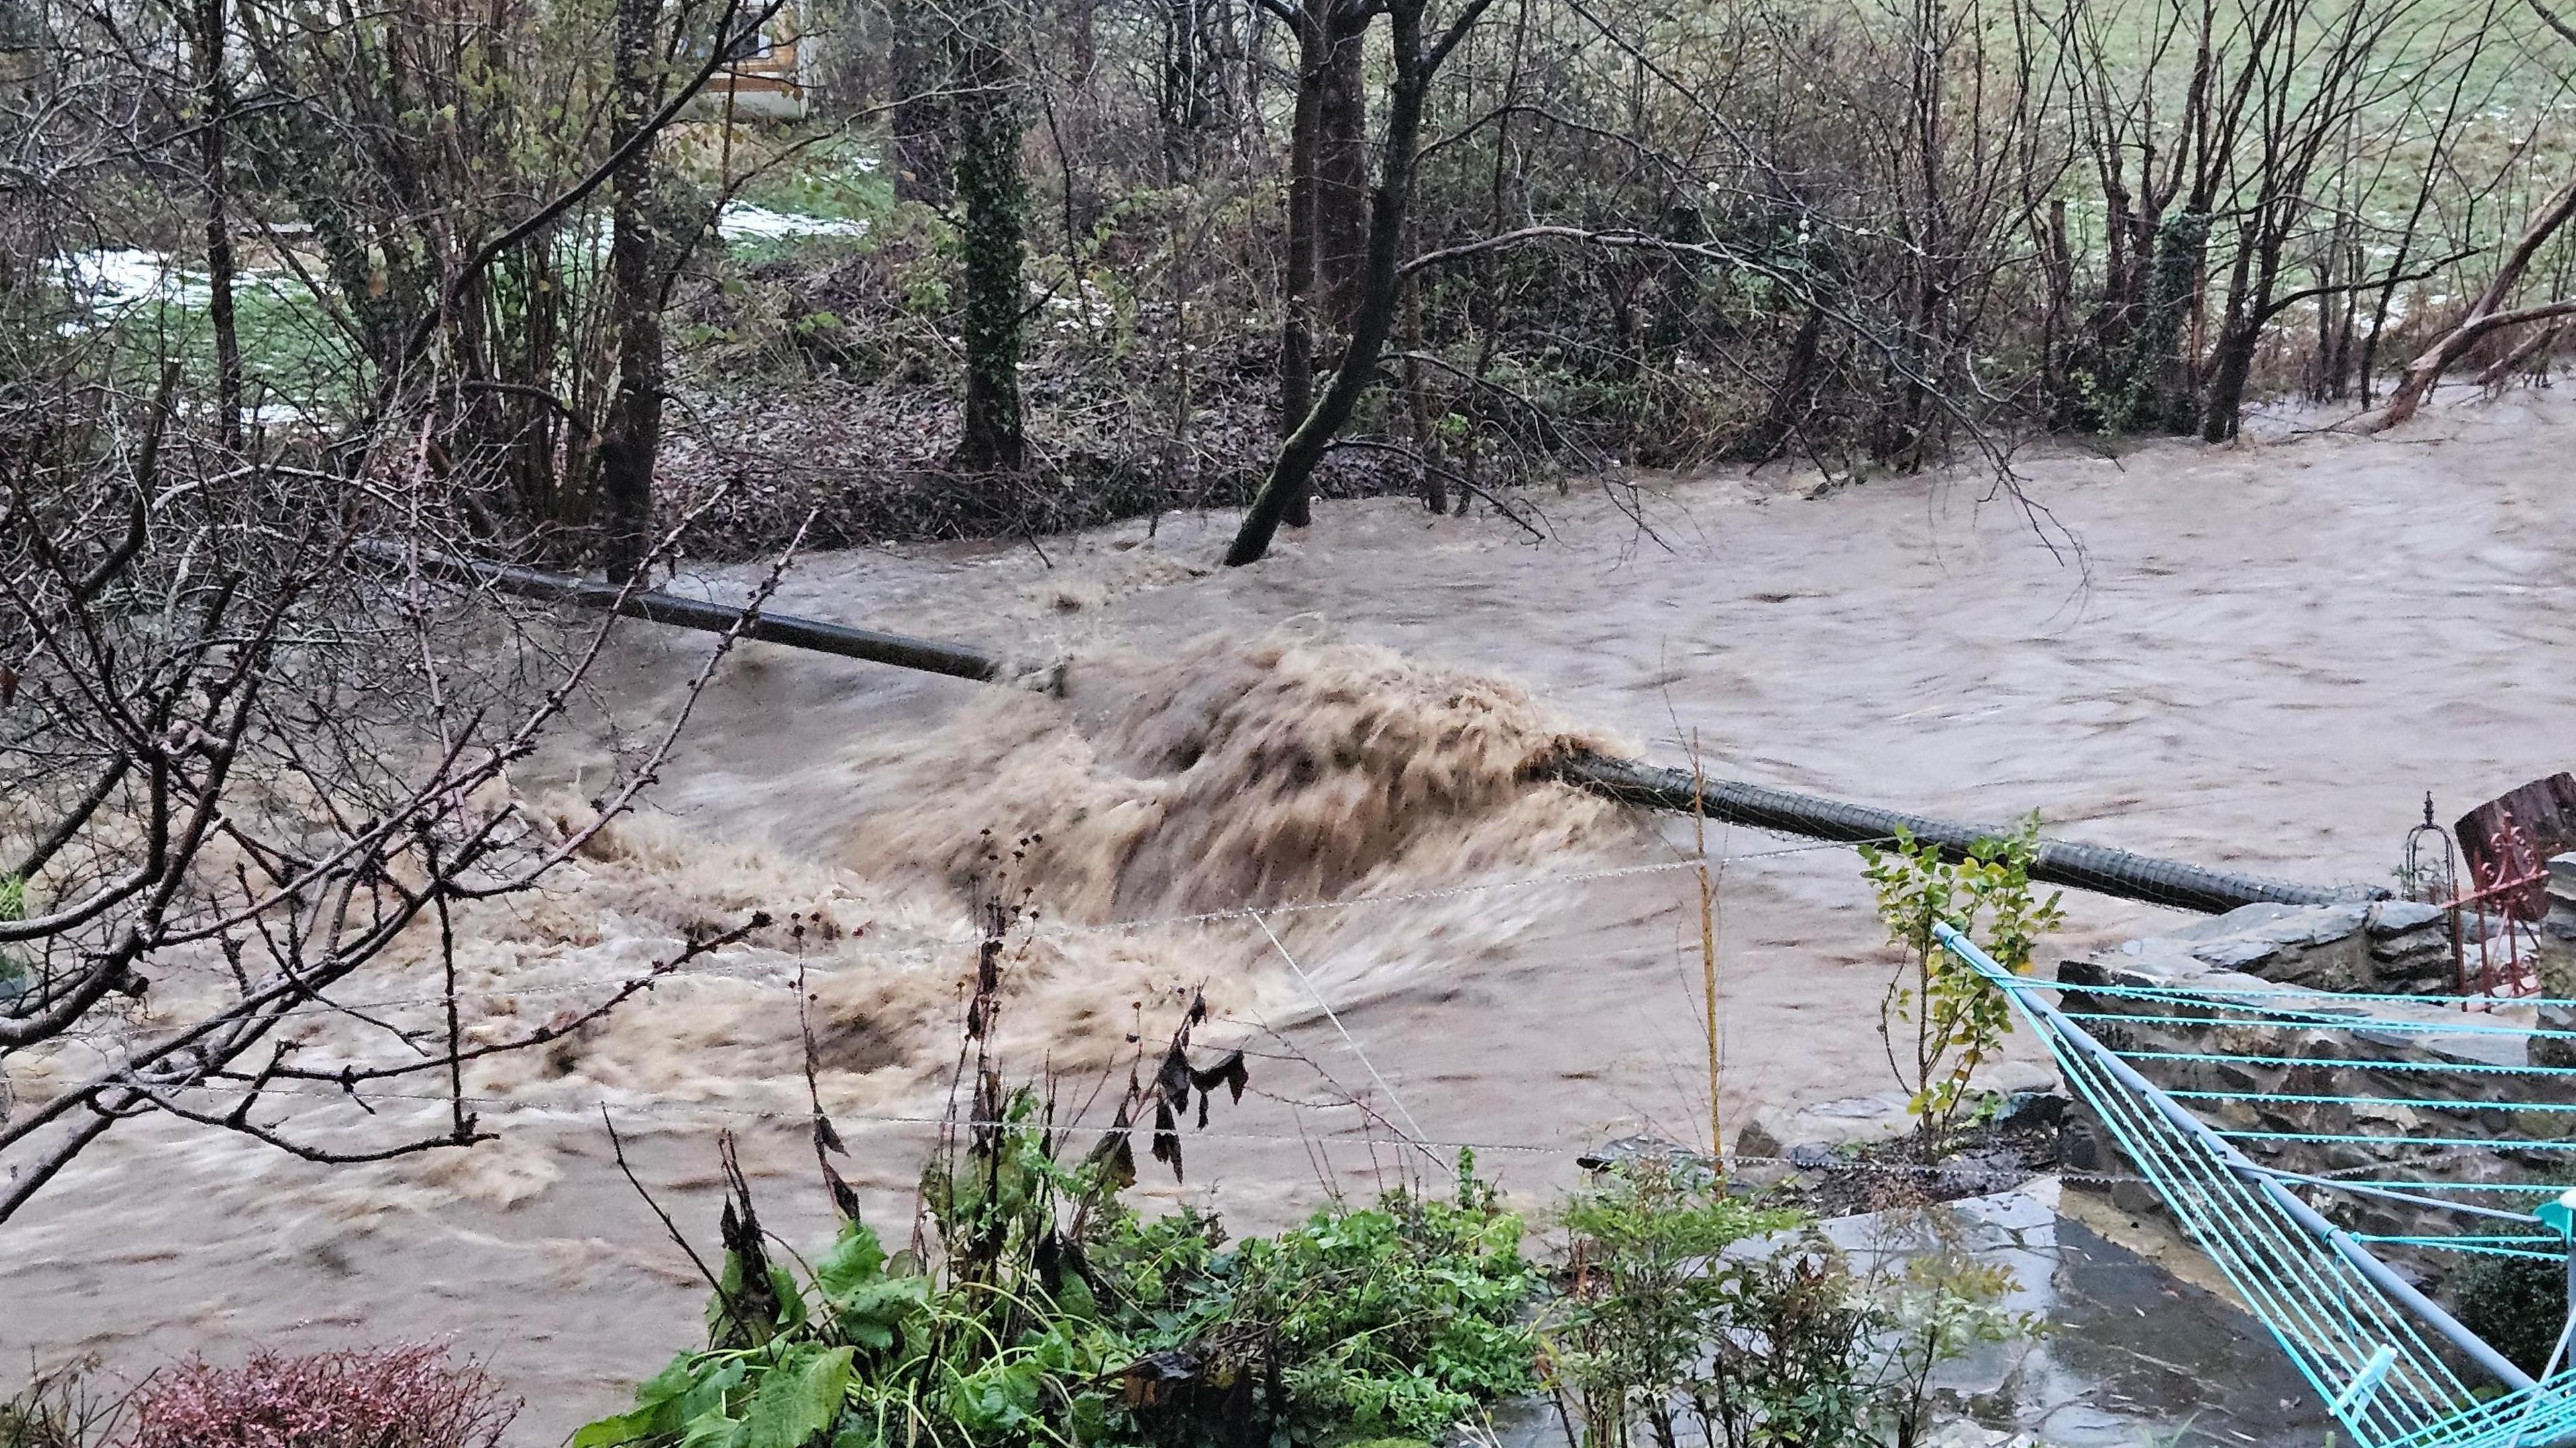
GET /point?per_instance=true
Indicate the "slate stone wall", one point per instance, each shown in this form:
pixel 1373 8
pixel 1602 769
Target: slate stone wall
pixel 2370 1060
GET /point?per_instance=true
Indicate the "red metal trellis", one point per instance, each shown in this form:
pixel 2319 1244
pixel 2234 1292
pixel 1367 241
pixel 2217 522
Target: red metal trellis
pixel 2506 845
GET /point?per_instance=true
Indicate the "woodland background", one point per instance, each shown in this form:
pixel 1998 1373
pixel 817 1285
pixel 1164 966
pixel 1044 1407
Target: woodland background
pixel 1028 266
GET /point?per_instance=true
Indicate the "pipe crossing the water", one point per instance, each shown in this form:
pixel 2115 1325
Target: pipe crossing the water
pixel 928 655
pixel 2078 866
pixel 2096 868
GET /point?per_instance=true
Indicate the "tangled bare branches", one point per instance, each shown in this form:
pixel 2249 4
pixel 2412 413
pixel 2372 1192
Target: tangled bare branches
pixel 246 765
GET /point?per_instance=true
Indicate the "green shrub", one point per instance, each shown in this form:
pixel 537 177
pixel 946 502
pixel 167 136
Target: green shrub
pixel 1054 1315
pixel 13 976
pixel 2517 1304
pixel 1397 1318
pixel 1660 1320
pixel 56 1410
pixel 1942 1020
pixel 1684 1304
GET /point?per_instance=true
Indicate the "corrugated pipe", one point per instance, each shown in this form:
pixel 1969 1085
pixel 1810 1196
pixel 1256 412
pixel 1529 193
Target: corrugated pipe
pixel 928 655
pixel 2102 870
pixel 2061 862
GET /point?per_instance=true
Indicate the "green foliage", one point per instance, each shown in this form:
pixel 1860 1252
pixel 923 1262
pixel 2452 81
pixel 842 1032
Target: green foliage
pixel 2182 245
pixel 1686 1303
pixel 2517 1304
pixel 1040 1309
pixel 292 356
pixel 837 177
pixel 63 1409
pixel 13 906
pixel 1958 1020
pixel 1398 1318
pixel 922 282
pixel 1056 1316
pixel 46 1414
pixel 1936 1306
pixel 1653 1288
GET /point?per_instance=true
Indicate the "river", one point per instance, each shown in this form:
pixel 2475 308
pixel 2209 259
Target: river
pixel 2259 657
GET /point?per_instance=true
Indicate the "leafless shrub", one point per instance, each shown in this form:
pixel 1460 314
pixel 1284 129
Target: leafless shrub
pixel 247 754
pixel 411 1396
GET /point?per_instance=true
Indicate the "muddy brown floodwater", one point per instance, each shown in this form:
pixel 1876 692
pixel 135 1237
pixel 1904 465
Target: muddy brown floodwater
pixel 2259 657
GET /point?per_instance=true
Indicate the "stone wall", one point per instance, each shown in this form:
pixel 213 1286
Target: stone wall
pixel 2369 1060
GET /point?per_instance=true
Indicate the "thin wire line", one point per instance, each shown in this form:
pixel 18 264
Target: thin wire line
pixel 799 1112
pixel 732 970
pixel 1347 1038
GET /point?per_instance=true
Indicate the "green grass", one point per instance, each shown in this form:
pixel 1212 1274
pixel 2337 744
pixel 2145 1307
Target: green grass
pixel 835 179
pixel 292 352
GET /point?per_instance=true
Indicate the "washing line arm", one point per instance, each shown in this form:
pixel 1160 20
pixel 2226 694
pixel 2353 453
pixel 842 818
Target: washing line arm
pixel 2333 1238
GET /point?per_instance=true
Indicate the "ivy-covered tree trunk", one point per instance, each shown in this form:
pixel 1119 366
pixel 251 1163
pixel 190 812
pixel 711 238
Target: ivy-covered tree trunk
pixel 994 197
pixel 632 433
pixel 2156 392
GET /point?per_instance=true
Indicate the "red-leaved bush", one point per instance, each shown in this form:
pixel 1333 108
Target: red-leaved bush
pixel 398 1397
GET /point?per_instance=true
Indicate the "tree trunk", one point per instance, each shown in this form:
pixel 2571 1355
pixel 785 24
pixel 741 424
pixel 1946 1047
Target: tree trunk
pixel 632 433
pixel 2240 332
pixel 921 119
pixel 1341 163
pixel 1190 95
pixel 2522 355
pixel 215 82
pixel 1793 397
pixel 2057 257
pixel 1381 286
pixel 1417 410
pixel 2225 405
pixel 995 197
pixel 2482 317
pixel 2154 391
pixel 1297 284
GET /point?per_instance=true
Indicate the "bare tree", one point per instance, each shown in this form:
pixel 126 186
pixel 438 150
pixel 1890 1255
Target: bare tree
pixel 920 119
pixel 2308 90
pixel 1321 284
pixel 631 435
pixel 247 751
pixel 1417 60
pixel 2488 315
